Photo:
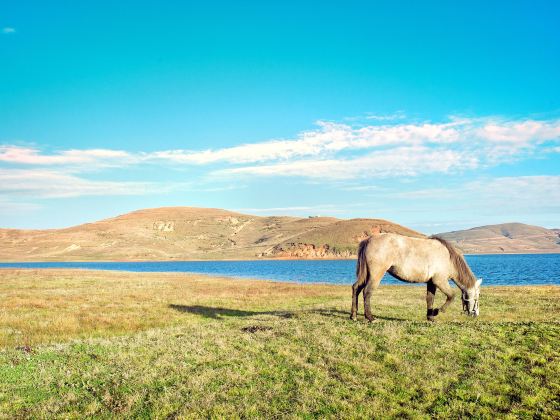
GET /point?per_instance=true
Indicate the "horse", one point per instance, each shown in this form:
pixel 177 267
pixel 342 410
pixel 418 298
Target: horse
pixel 430 260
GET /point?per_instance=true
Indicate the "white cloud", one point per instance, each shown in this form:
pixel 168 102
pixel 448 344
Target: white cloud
pixel 378 117
pixel 53 184
pixel 403 161
pixel 500 138
pixel 328 139
pixel 427 193
pixel 336 151
pixel 295 210
pixel 9 206
pixel 520 132
pixel 56 183
pixel 497 194
pixel 521 191
pixel 389 117
pixel 8 30
pixel 33 156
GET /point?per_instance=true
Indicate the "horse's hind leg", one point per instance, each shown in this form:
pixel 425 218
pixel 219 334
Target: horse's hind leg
pixel 374 280
pixel 356 290
pixel 430 295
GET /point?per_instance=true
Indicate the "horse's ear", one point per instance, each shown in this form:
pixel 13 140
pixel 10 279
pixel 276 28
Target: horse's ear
pixel 478 282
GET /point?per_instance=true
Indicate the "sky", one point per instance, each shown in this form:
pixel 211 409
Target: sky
pixel 435 115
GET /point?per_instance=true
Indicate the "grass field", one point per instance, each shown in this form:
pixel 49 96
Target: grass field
pixel 106 344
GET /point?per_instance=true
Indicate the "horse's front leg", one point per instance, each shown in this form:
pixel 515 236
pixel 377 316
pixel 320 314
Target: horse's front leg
pixel 356 289
pixel 448 291
pixel 430 295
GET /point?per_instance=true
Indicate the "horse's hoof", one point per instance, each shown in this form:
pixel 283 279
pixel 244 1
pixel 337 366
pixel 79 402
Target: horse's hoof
pixel 370 318
pixel 353 318
pixel 432 313
pixel 431 319
pixel 438 310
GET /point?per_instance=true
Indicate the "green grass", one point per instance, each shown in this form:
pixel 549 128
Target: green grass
pixel 152 345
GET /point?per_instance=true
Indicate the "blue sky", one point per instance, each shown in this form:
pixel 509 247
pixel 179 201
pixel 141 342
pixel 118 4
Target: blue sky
pixel 437 115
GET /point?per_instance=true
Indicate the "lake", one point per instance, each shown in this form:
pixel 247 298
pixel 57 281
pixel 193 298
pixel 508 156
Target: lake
pixel 497 270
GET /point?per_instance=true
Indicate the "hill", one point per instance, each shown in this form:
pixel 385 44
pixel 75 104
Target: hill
pixel 183 233
pixel 193 233
pixel 505 238
pixel 339 238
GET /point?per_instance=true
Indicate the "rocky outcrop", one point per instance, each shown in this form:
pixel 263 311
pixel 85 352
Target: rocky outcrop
pixel 72 247
pixel 164 226
pixel 338 240
pixel 306 251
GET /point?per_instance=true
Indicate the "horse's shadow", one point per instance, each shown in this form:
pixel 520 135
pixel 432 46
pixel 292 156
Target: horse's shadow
pixel 337 313
pixel 220 312
pixel 215 312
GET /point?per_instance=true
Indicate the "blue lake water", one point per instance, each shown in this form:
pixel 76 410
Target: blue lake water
pixel 498 270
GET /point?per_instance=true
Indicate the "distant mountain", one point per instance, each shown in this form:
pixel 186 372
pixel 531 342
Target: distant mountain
pixel 506 238
pixel 179 233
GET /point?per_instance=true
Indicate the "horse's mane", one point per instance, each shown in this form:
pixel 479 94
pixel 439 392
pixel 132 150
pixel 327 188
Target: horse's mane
pixel 464 274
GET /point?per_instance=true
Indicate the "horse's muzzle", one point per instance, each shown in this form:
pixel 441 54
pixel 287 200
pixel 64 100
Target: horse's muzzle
pixel 472 312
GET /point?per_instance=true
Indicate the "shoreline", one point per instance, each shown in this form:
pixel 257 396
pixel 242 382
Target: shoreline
pixel 245 259
pixel 217 276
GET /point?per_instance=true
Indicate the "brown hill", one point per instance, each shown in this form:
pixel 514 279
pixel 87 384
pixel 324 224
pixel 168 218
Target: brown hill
pixel 505 238
pixel 180 233
pixel 339 238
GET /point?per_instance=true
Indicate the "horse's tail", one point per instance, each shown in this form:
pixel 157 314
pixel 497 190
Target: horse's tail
pixel 361 266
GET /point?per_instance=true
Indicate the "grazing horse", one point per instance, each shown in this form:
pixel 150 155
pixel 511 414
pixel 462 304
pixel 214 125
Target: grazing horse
pixel 415 260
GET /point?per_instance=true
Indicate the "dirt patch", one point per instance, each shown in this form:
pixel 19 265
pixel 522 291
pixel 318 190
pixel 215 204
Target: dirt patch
pixel 256 328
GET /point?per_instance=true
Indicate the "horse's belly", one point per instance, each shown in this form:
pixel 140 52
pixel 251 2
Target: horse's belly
pixel 409 274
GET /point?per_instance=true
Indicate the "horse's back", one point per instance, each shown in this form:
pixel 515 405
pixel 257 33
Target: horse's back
pixel 407 258
pixel 395 244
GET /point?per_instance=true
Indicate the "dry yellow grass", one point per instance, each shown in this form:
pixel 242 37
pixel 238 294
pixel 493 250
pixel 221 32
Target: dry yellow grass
pixel 109 344
pixel 45 306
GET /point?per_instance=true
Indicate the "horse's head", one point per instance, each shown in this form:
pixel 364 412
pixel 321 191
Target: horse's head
pixel 470 299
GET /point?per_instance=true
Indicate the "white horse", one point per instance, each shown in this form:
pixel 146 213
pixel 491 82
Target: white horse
pixel 415 260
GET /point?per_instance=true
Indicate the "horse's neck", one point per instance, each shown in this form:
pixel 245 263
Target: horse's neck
pixel 457 279
pixel 457 282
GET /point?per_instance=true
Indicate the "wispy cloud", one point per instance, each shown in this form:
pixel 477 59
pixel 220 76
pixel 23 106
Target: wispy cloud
pixel 33 156
pixel 60 183
pixel 527 192
pixel 327 140
pixel 402 161
pixel 8 30
pixel 336 150
pixel 9 206
pixel 501 194
pixel 53 184
pixel 498 137
pixel 389 117
pixel 519 132
pixel 378 117
pixel 296 210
